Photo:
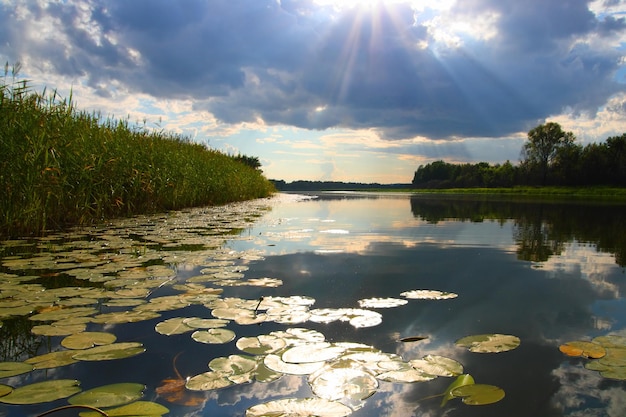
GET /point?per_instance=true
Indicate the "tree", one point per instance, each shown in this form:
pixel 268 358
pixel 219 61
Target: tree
pixel 544 142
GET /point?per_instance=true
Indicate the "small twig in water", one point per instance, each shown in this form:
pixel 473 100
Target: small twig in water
pixel 257 306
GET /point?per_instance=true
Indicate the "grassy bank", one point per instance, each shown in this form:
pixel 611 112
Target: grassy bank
pixel 594 192
pixel 60 166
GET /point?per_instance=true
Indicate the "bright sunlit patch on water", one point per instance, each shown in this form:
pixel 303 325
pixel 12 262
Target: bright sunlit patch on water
pixel 335 231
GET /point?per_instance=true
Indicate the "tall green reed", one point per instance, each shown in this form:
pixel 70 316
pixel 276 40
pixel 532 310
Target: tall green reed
pixel 61 167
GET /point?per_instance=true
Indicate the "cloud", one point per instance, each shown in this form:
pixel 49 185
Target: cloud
pixel 483 68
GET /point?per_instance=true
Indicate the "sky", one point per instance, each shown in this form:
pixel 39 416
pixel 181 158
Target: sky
pixel 330 90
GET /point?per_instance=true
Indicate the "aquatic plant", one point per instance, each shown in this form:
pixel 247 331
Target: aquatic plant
pixel 60 166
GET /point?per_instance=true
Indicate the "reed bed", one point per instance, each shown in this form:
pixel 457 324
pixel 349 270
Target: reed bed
pixel 61 167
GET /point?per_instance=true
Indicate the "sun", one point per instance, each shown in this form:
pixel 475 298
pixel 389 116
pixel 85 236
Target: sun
pixel 350 4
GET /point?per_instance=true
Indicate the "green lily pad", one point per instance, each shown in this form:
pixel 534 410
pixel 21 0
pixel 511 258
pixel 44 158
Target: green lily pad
pixel 583 348
pixel 109 395
pixel 428 295
pixel 8 369
pixel 58 330
pixel 460 381
pixel 356 317
pixel 52 359
pixel 125 317
pixel 136 409
pixel 263 373
pixel 213 336
pixel 610 341
pixel 297 336
pixel 275 363
pixel 437 365
pixel 381 302
pixel 300 407
pixel 405 376
pixel 5 390
pixel 233 365
pixel 208 381
pixel 312 352
pixel 489 343
pixel 63 313
pixel 199 323
pixel 42 392
pixel 615 356
pixel 110 352
pixel 351 383
pixel 173 326
pixel 479 394
pixel 260 345
pixel 86 340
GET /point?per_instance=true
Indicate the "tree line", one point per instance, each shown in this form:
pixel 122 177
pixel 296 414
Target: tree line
pixel 550 156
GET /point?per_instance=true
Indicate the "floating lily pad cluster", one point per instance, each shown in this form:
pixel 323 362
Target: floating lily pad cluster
pixel 340 374
pixel 607 354
pixel 62 284
pixel 121 399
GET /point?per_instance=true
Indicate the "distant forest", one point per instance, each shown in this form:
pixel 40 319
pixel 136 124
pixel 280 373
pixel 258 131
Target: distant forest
pixel 549 157
pixel 332 186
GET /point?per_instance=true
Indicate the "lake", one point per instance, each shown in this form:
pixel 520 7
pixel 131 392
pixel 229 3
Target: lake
pixel 360 304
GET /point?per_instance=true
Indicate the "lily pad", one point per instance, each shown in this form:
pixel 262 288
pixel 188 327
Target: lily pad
pixel 173 326
pixel 109 395
pixel 405 375
pixel 438 365
pixel 428 295
pixel 489 343
pixel 52 359
pixel 208 381
pixel 5 390
pixel 63 313
pixel 356 317
pixel 479 394
pixel 86 340
pixel 57 330
pixel 199 323
pixel 300 407
pixel 610 340
pixel 583 348
pixel 233 365
pixel 275 363
pixel 298 335
pixel 213 336
pixel 350 383
pixel 110 352
pixel 8 369
pixel 615 356
pixel 381 302
pixel 312 352
pixel 460 381
pixel 136 409
pixel 42 392
pixel 260 345
pixel 125 317
pixel 265 374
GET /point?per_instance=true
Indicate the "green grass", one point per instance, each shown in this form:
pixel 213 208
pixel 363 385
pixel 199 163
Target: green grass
pixel 594 192
pixel 61 167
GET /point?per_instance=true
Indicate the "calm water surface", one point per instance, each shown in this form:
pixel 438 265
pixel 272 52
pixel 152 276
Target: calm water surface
pixel 548 273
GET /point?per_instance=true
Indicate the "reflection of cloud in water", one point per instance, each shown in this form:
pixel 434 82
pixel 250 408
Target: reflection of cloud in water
pixel 586 260
pixel 580 389
pixel 287 385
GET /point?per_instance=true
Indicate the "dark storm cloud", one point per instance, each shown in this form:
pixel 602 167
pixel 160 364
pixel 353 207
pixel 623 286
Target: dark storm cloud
pixel 294 63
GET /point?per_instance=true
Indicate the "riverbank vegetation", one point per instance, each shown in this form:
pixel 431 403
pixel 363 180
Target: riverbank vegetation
pixel 60 166
pixel 550 157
